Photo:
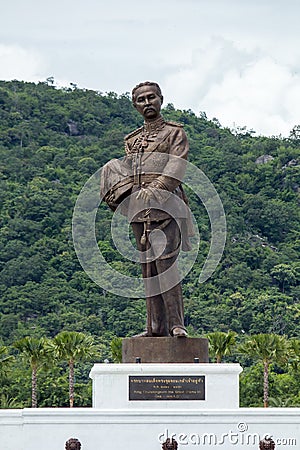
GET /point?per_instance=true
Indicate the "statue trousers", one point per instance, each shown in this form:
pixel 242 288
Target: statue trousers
pixel 163 289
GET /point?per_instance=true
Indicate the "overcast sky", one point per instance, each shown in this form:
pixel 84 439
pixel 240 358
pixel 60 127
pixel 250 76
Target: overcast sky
pixel 237 60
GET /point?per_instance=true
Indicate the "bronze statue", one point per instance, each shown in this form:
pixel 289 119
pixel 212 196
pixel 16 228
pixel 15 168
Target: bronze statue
pixel 267 444
pixel 73 444
pixel 151 175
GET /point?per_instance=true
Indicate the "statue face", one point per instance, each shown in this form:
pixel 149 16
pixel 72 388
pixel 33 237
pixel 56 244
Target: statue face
pixel 148 102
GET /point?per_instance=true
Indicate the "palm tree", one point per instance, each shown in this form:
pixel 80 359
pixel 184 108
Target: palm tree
pixel 73 346
pixel 267 348
pixel 6 402
pixel 116 349
pixel 280 403
pixel 36 350
pixel 221 344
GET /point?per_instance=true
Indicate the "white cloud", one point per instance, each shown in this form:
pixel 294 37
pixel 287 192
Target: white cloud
pixel 19 63
pixel 239 88
pixel 247 74
pixel 264 96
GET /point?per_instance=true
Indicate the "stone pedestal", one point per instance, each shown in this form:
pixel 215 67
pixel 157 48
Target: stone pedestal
pixel 165 350
pixel 114 386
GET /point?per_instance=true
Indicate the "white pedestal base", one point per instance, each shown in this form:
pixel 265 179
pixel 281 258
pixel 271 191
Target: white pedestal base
pixel 111 385
pixel 115 422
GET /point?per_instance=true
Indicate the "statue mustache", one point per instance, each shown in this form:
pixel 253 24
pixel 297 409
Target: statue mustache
pixel 149 108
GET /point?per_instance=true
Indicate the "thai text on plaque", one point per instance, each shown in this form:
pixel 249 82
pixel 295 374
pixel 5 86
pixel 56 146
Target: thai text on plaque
pixel 167 387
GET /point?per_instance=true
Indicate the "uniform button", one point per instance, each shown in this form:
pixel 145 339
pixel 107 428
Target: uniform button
pixel 143 173
pixel 143 183
pixel 143 163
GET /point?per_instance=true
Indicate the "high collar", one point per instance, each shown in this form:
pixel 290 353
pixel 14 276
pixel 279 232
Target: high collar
pixel 155 126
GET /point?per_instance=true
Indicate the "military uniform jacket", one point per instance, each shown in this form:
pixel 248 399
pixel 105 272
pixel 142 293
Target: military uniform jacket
pixel 157 154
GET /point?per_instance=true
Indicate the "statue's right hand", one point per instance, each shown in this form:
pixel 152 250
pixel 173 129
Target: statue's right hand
pixel 144 194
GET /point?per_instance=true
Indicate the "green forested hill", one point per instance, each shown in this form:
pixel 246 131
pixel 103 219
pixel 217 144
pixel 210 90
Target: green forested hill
pixel 52 140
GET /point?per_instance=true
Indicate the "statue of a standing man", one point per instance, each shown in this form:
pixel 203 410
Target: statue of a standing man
pixel 151 174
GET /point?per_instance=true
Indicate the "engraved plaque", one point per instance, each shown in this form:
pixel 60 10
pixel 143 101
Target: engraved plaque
pixel 167 387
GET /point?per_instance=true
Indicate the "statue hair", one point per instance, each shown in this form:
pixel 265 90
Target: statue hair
pixel 146 83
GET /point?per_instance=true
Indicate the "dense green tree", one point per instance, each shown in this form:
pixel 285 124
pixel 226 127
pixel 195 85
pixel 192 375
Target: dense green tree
pixel 294 354
pixel 5 362
pixel 285 275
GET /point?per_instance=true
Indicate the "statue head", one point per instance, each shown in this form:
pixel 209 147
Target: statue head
pixel 170 444
pixel 267 444
pixel 73 444
pixel 151 84
pixel 147 99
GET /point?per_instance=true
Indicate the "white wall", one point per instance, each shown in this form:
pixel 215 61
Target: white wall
pixel 49 429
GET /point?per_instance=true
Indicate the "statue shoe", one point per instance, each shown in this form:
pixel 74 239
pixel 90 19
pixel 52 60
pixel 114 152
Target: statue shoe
pixel 179 332
pixel 143 334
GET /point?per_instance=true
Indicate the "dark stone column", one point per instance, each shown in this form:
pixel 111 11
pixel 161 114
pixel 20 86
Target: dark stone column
pixel 165 350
